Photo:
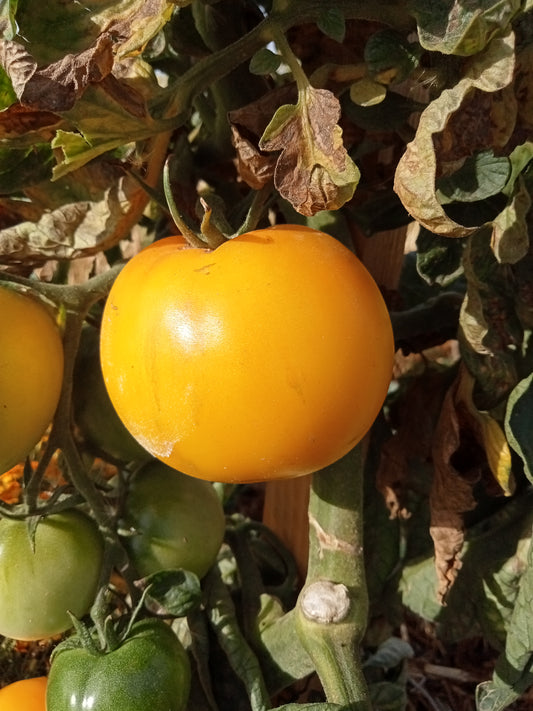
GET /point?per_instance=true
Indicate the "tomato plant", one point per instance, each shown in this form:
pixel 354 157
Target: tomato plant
pixel 99 424
pixel 150 669
pixel 266 358
pixel 24 695
pixel 177 521
pixel 30 376
pixel 41 581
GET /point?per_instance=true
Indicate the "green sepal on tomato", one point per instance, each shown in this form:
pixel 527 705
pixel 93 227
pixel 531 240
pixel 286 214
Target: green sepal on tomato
pixel 43 579
pixel 174 521
pixel 149 669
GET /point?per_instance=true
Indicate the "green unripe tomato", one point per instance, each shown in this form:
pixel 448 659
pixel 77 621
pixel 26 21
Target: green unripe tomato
pixel 39 584
pixel 149 671
pixel 177 521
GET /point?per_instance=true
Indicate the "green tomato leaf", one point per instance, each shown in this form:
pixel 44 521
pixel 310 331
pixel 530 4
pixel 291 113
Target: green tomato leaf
pixel 481 176
pixel 24 167
pixel 518 423
pixel 390 653
pixel 7 93
pixel 513 675
pixel 438 259
pixel 332 23
pixel 389 57
pixel 455 27
pixel 172 592
pixel 264 62
pixel 313 171
pixel 416 171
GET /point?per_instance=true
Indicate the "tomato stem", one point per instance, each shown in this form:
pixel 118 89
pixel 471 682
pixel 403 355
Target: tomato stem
pixel 332 608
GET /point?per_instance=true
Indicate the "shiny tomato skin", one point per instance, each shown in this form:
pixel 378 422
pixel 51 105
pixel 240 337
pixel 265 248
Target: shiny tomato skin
pixel 31 373
pixel 150 671
pixel 38 586
pixel 179 521
pixel 24 695
pixel 269 357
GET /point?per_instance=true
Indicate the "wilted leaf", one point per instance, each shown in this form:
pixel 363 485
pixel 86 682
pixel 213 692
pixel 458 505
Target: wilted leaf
pixel 313 171
pixel 102 124
pixel 74 229
pixel 54 28
pixel 488 73
pixel 255 167
pixel 452 490
pixel 55 87
pixel 22 127
pixel 464 28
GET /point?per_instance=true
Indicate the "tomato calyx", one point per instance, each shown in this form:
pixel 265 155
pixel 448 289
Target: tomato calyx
pixel 210 235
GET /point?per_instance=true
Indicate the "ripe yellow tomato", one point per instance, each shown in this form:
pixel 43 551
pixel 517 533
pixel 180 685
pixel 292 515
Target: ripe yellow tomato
pixel 31 373
pixel 24 695
pixel 269 357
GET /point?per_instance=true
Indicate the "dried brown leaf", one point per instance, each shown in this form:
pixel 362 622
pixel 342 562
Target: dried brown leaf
pixel 27 124
pixel 451 495
pixel 415 419
pixel 313 171
pixel 462 428
pixel 248 123
pixel 440 128
pixel 56 87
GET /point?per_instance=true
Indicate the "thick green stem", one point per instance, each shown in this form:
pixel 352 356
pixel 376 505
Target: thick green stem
pixel 285 14
pixel 332 608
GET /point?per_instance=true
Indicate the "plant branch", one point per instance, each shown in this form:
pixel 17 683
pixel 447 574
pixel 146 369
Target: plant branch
pixel 332 609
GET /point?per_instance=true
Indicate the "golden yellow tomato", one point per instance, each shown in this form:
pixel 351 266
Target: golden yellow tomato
pixel 24 695
pixel 269 357
pixel 31 374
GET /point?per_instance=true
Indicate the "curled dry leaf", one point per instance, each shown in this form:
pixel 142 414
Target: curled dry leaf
pixel 480 89
pixel 462 428
pixel 313 171
pixel 56 87
pixel 248 124
pixel 416 418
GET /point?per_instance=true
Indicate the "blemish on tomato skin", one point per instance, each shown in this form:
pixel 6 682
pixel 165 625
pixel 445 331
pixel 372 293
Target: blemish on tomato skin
pixel 206 269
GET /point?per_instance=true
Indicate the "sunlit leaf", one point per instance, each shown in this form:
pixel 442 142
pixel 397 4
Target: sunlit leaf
pixel 415 176
pixel 313 171
pixel 367 92
pixel 456 27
